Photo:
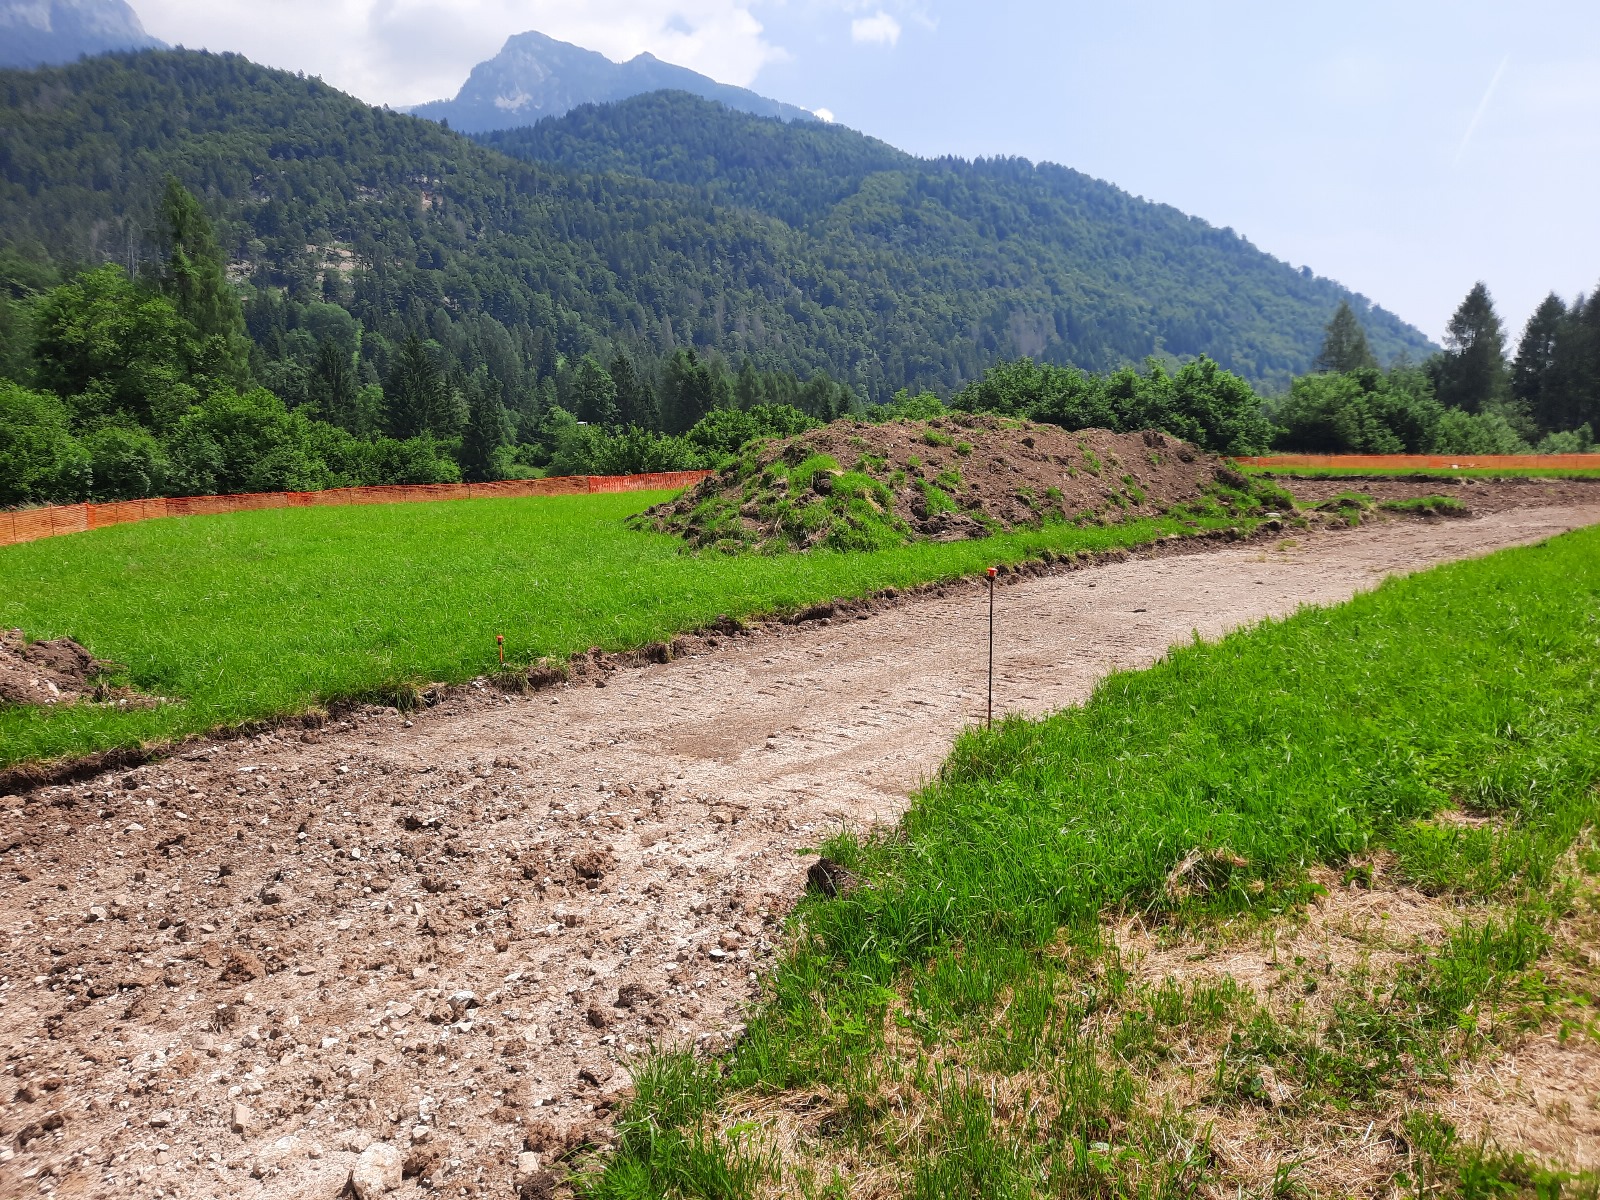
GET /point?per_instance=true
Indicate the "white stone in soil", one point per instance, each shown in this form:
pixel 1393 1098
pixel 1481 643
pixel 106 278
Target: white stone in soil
pixel 377 1171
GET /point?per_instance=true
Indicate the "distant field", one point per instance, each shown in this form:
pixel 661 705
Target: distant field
pixel 249 615
pixel 1424 472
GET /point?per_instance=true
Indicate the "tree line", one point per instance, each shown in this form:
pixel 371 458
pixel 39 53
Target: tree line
pixel 1471 398
pixel 117 386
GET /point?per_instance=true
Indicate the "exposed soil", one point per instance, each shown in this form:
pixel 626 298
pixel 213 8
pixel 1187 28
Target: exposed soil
pixel 226 973
pixel 54 672
pixel 849 485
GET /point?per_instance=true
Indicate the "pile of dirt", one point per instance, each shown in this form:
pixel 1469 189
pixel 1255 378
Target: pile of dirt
pixel 54 672
pixel 859 486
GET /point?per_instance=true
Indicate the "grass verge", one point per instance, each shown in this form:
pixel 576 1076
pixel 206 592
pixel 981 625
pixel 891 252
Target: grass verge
pixel 964 1019
pixel 252 615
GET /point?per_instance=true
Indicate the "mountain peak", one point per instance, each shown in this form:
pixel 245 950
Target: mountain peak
pixel 535 76
pixel 36 33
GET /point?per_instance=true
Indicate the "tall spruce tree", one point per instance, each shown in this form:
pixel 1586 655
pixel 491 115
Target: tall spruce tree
pixel 1471 373
pixel 693 388
pixel 414 393
pixel 331 389
pixel 1535 376
pixel 747 386
pixel 487 436
pixel 1578 362
pixel 195 278
pixel 636 401
pixel 1344 344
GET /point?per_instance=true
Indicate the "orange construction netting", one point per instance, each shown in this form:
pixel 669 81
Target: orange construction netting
pixel 27 525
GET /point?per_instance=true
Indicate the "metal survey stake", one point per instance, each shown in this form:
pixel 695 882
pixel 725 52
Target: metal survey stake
pixel 989 720
pixel 500 645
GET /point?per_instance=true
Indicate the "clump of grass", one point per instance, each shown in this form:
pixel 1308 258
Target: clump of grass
pixel 1426 506
pixel 1348 505
pixel 936 497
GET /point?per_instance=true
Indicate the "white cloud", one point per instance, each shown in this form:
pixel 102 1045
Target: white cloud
pixel 823 114
pixel 402 52
pixel 880 27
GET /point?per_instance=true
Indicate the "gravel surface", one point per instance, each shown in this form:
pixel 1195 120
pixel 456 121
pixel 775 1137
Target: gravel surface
pixel 434 941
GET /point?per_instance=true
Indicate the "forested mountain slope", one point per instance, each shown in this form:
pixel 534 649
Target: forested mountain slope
pixel 660 222
pixel 1077 271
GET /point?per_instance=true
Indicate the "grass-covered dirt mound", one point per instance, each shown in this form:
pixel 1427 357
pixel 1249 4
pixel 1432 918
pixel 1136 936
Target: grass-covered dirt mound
pixel 855 486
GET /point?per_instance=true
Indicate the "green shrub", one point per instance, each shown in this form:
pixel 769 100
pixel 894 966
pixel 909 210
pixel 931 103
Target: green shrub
pixel 1201 403
pixel 40 461
pixel 127 462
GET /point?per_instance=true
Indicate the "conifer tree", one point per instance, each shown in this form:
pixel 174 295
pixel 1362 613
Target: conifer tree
pixel 414 392
pixel 747 386
pixel 1471 373
pixel 488 432
pixel 1535 376
pixel 692 389
pixel 1578 361
pixel 332 389
pixel 1344 344
pixel 195 278
pixel 636 401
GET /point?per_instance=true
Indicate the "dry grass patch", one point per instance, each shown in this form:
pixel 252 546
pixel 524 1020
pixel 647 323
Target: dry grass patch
pixel 1230 1057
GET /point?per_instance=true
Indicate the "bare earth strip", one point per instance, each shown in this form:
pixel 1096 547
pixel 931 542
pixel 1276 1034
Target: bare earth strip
pixel 227 973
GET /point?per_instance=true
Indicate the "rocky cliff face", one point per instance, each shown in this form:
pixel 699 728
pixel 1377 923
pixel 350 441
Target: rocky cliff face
pixel 45 32
pixel 535 76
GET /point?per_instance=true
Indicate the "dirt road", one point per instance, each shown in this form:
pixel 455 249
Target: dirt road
pixel 228 973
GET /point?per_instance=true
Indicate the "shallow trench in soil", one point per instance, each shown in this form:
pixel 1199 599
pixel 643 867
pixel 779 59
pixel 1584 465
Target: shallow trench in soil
pixel 226 973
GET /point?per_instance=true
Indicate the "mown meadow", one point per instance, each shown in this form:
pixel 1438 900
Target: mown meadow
pixel 958 1020
pixel 252 615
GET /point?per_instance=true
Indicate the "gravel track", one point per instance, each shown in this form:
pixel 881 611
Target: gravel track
pixel 224 974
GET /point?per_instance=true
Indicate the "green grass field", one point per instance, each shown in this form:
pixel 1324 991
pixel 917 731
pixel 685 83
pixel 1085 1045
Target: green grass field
pixel 251 615
pixel 957 1025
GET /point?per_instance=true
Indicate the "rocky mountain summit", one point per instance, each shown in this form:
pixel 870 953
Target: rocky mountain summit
pixel 45 32
pixel 535 76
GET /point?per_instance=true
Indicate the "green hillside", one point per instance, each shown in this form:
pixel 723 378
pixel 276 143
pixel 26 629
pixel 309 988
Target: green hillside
pixel 1069 269
pixel 662 222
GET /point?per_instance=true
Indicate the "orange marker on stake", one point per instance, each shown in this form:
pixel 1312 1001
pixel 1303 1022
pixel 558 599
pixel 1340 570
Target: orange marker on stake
pixel 500 644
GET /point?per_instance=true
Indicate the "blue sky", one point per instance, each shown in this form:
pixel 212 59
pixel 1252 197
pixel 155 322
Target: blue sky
pixel 1405 148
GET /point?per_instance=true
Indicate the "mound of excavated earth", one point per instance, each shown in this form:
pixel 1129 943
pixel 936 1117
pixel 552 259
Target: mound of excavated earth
pixel 856 486
pixel 54 672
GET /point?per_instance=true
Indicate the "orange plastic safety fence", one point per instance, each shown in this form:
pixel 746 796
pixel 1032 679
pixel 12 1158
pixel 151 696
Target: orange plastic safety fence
pixel 27 525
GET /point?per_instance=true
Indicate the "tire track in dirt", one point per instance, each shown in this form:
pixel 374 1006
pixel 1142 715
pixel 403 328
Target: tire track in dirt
pixel 228 973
